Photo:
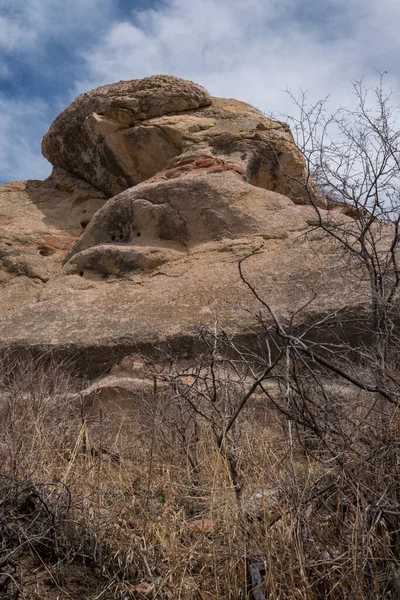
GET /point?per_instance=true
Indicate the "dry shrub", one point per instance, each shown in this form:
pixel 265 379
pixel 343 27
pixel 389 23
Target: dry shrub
pixel 143 503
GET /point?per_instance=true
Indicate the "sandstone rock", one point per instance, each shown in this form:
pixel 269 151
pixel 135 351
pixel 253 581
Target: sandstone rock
pixel 198 206
pixel 262 148
pixel 96 138
pixel 119 135
pixel 111 394
pixel 98 279
pixel 110 300
pixel 38 223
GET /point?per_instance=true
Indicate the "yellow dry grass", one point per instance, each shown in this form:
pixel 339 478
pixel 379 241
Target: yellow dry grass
pixel 143 501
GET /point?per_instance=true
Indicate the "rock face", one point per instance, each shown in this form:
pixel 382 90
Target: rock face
pixel 100 137
pixel 119 135
pixel 38 222
pixel 196 184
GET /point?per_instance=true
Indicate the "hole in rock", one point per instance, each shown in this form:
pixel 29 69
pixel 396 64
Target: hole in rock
pixel 81 274
pixel 45 251
pixel 138 234
pixel 84 223
pixel 113 238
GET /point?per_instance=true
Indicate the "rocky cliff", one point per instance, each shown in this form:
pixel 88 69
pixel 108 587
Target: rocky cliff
pixel 158 190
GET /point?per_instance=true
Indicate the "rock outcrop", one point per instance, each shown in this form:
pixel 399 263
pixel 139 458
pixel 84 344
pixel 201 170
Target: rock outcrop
pixel 119 135
pixel 38 222
pixel 158 190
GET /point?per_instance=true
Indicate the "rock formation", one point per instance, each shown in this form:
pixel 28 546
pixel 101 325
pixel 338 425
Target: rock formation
pixel 157 191
pixel 38 222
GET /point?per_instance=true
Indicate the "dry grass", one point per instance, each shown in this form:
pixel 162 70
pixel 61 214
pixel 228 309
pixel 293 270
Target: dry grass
pixel 142 503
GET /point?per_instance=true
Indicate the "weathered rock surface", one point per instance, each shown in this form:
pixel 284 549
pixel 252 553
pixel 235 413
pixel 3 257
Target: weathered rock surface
pixel 38 222
pixel 116 295
pixel 96 138
pixel 121 134
pixel 200 183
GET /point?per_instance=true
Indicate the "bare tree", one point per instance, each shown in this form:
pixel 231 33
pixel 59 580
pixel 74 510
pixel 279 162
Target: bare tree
pixel 353 154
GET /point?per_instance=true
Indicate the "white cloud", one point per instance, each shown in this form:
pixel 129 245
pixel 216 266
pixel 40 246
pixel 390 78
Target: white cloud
pixel 4 71
pixel 13 35
pixel 252 50
pixel 27 25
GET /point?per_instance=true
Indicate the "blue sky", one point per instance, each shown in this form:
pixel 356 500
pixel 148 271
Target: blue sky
pixel 51 50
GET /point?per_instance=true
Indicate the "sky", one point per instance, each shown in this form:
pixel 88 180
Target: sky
pixel 252 50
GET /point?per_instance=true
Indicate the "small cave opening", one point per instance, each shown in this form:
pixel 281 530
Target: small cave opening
pixel 85 223
pixel 138 234
pixel 113 238
pixel 81 273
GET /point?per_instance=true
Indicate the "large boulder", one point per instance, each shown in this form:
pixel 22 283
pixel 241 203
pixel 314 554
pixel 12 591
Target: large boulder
pixel 121 134
pixel 120 292
pixel 100 137
pixel 198 183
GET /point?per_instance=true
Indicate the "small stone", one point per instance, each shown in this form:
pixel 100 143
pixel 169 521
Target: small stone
pixel 201 526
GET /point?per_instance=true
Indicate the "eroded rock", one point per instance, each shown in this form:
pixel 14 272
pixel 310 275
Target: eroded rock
pixel 200 184
pixel 38 223
pixel 109 300
pixel 119 135
pixel 96 138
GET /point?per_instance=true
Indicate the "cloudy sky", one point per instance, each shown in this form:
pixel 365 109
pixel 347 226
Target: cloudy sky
pixel 253 50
